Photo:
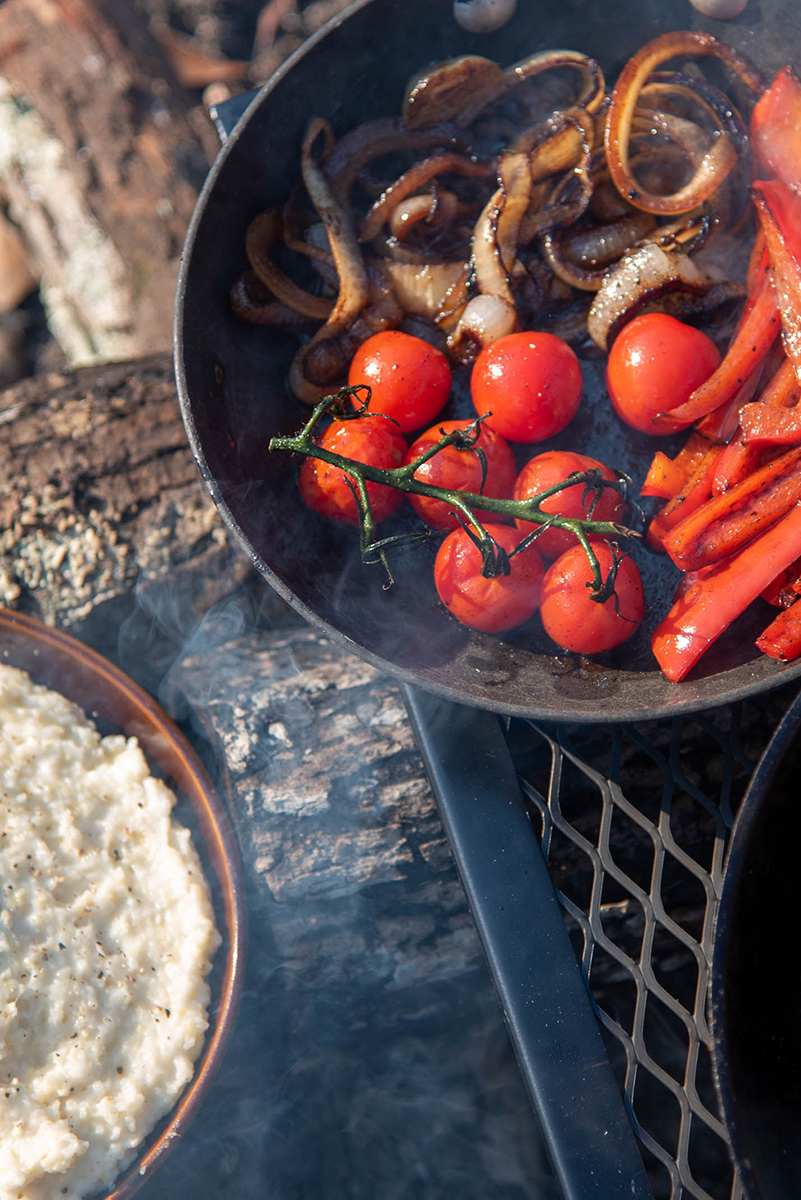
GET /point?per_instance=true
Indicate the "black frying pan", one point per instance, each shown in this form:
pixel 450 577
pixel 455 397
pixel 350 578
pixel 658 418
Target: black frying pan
pixel 756 976
pixel 231 376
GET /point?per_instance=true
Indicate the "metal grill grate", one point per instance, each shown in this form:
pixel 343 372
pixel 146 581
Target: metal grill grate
pixel 634 822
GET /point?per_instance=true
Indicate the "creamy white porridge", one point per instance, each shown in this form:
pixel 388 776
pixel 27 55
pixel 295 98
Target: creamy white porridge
pixel 106 934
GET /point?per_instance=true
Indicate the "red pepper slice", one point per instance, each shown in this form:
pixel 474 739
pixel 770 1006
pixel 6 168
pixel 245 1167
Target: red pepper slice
pixel 747 352
pixel 776 128
pixel 779 211
pixel 782 591
pixel 695 492
pixel 782 638
pixel 764 425
pixel 701 614
pixel 735 463
pixel 664 478
pixel 724 524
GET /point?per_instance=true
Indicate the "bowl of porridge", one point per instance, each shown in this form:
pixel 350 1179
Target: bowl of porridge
pixel 121 923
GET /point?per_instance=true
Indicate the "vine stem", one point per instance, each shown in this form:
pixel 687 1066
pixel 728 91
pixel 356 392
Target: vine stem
pixel 464 504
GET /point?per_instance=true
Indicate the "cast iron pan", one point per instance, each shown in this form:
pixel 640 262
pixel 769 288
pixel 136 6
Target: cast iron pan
pixel 232 376
pixel 756 976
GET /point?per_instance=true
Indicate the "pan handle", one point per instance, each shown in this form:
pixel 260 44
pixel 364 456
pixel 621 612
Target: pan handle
pixel 545 1001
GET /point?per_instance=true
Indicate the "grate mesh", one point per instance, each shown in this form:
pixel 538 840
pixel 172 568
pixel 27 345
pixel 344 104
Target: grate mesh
pixel 634 823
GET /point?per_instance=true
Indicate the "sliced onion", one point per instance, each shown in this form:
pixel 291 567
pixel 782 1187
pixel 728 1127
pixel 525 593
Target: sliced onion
pixel 592 88
pixel 262 233
pixel 719 160
pixel 412 180
pixel 441 92
pixel 251 302
pixel 421 290
pixel 640 278
pixel 484 320
pixel 313 364
pixel 385 135
pixel 582 257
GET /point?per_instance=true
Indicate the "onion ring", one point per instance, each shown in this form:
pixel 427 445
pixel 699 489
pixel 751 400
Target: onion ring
pixel 412 180
pixel 719 160
pixel 262 233
pixel 354 284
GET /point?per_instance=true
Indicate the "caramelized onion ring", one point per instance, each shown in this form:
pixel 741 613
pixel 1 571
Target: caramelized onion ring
pixel 385 135
pixel 412 180
pixel 249 306
pixel 354 285
pixel 262 233
pixel 590 97
pixel 640 278
pixel 717 162
pixel 582 257
pixel 441 92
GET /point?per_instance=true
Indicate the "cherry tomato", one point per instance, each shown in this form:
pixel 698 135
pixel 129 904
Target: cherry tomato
pixel 491 605
pixel 531 384
pixel 461 471
pixel 655 363
pixel 409 379
pixel 551 467
pixel 325 488
pixel 575 621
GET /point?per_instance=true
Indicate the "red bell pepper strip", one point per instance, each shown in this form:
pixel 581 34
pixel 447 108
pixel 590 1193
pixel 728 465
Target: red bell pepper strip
pixel 757 265
pixel 782 638
pixel 779 211
pixel 667 476
pixel 724 524
pixel 747 352
pixel 707 608
pixel 664 478
pixel 735 463
pixel 776 129
pixel 764 425
pixel 782 591
pixel 721 424
pixel 771 420
pixel 695 492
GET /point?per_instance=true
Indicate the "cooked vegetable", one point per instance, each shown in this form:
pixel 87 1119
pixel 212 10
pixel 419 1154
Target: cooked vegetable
pixel 331 493
pixel 572 619
pixel 409 380
pixel 528 385
pixel 724 524
pixel 500 602
pixel 706 608
pixel 776 129
pixel 486 465
pixel 581 501
pixel 653 366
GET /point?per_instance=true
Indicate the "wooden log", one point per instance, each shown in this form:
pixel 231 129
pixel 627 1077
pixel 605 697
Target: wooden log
pixel 101 495
pixel 101 162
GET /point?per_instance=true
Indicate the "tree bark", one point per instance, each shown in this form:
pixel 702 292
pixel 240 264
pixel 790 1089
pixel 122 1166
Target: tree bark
pixel 101 162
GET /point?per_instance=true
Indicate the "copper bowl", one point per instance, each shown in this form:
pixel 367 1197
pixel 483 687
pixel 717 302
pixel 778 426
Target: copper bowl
pixel 108 696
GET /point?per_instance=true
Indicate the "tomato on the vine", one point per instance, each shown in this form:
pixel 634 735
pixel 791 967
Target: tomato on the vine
pixel 655 364
pixel 492 605
pixel 460 470
pixel 409 379
pixel 580 501
pixel 531 384
pixel 575 621
pixel 325 488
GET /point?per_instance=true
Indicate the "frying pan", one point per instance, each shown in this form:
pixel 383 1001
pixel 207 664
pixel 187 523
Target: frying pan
pixel 756 976
pixel 232 377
